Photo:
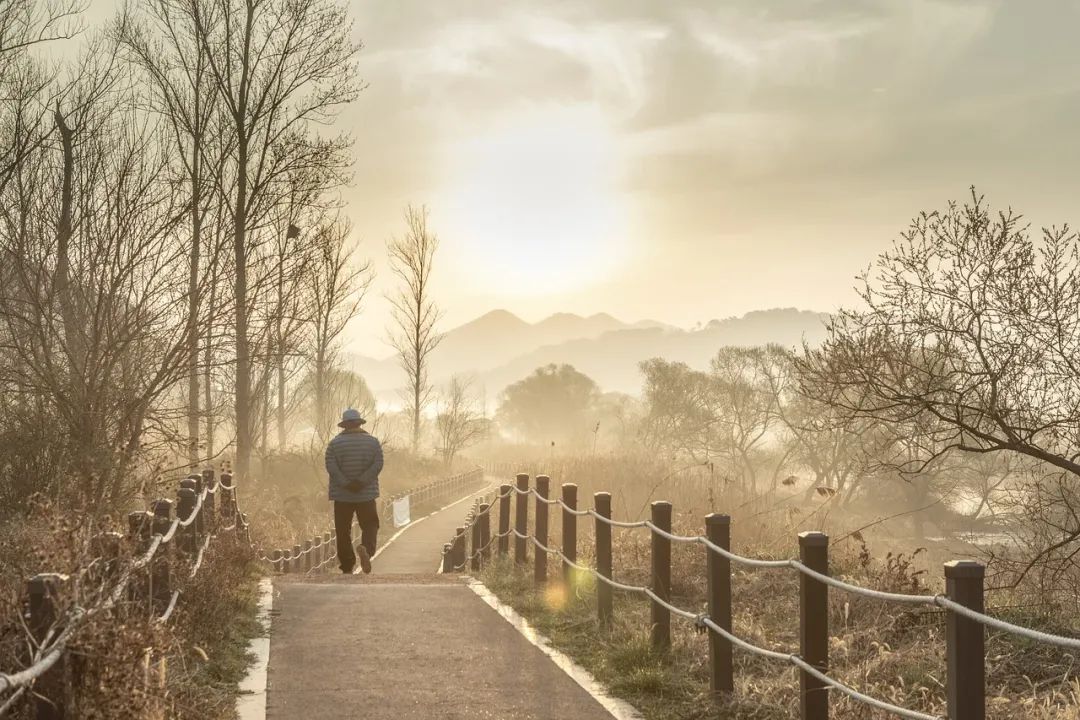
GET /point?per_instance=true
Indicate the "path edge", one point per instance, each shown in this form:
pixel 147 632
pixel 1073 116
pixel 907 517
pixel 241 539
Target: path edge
pixel 251 700
pixel 616 707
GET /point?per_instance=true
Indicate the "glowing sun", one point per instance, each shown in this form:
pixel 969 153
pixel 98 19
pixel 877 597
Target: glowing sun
pixel 534 205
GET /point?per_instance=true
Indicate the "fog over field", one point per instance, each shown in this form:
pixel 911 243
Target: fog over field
pixel 807 266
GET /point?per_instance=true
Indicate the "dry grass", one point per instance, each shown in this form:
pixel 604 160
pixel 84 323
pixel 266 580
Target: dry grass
pixel 895 653
pixel 123 664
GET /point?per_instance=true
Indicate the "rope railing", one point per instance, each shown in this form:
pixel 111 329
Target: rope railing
pixel 963 600
pixel 317 553
pixel 150 536
pixel 200 514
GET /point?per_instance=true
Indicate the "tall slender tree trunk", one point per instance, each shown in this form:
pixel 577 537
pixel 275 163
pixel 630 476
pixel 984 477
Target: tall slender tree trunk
pixel 243 405
pixel 320 390
pixel 207 387
pixel 280 355
pixel 193 306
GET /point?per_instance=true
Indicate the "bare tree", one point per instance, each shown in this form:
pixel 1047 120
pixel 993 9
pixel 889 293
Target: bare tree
pixel 336 286
pixel 969 338
pixel 27 88
pixel 415 313
pixel 281 68
pixel 88 311
pixel 164 44
pixel 460 420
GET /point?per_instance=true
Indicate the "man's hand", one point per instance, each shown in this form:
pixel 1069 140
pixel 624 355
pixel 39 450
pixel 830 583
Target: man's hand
pixel 353 486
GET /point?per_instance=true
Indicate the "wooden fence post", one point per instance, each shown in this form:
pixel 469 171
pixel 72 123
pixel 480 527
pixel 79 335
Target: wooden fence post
pixel 814 625
pixel 160 585
pixel 504 519
pixel 485 532
pixel 569 532
pixel 49 690
pixel 308 556
pixel 477 543
pixel 965 639
pixel 140 529
pixel 297 563
pixel 228 499
pixel 521 520
pixel 543 490
pixel 200 520
pixel 718 531
pixel 604 596
pixel 276 562
pixel 459 550
pixel 447 558
pixel 208 506
pixel 191 533
pixel 661 576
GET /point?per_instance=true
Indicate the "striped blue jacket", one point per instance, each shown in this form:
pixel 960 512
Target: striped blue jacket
pixel 354 460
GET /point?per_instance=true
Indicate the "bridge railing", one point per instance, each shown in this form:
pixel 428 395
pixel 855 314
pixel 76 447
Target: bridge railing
pixel 135 572
pixel 317 553
pixel 963 602
pixel 130 572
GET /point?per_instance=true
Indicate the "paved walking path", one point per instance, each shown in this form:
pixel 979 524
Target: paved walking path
pixel 406 643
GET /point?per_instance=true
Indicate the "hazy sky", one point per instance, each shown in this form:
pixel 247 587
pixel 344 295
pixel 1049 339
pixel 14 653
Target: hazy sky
pixel 684 160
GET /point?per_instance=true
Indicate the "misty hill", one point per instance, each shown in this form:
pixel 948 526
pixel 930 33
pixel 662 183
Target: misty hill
pixel 500 348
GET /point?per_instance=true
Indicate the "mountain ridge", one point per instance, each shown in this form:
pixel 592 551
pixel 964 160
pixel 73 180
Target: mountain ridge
pixel 499 348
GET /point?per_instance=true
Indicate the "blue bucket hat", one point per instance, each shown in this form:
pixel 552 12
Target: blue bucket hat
pixel 351 416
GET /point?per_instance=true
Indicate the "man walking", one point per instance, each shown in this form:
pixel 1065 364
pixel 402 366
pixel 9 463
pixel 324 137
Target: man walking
pixel 354 459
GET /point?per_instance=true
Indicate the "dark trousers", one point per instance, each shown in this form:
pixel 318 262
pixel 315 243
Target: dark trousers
pixel 368 516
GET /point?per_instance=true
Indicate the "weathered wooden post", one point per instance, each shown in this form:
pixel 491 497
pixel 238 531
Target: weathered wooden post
pixel 543 489
pixel 140 528
pixel 200 520
pixel 160 581
pixel 718 567
pixel 504 519
pixel 604 596
pixel 209 506
pixel 185 506
pixel 44 595
pixel 276 561
pixel 521 520
pixel 661 576
pixel 458 555
pixel 485 532
pixel 475 544
pixel 965 639
pixel 569 531
pixel 297 563
pixel 447 557
pixel 227 509
pixel 814 625
pixel 308 556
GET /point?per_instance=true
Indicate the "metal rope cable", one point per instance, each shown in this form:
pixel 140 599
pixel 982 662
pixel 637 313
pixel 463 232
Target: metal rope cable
pixel 704 620
pixel 571 510
pixel 546 501
pixel 616 523
pixel 53 649
pixel 1036 635
pixel 856 695
pixel 939 600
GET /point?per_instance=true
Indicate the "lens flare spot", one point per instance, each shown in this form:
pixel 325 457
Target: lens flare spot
pixel 556 596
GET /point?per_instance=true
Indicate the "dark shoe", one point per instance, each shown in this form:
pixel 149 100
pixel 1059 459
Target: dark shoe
pixel 365 560
pixel 346 572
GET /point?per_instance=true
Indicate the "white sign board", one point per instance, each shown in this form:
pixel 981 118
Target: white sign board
pixel 401 512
